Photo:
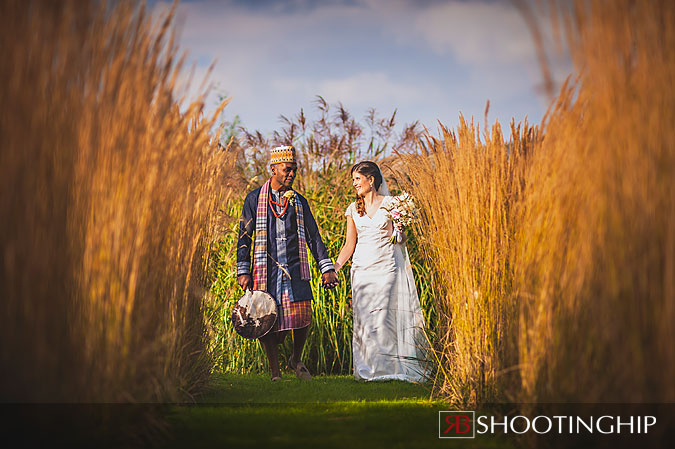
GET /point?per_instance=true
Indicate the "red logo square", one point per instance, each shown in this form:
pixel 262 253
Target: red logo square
pixel 456 424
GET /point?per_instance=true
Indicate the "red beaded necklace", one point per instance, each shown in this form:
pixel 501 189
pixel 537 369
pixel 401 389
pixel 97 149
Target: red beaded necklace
pixel 272 202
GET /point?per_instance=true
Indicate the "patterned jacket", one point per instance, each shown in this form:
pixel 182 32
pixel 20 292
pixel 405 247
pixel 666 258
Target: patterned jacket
pixel 301 289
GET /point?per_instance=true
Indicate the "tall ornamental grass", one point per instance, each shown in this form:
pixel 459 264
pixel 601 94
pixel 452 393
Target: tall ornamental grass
pixel 553 252
pixel 466 183
pixel 108 188
pixel 595 266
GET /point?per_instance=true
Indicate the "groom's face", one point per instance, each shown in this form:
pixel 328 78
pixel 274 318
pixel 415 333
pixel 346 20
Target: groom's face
pixel 284 173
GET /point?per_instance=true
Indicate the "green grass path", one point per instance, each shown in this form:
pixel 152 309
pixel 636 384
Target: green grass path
pixel 329 412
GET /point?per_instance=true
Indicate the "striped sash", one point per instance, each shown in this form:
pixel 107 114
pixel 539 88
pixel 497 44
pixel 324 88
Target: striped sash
pixel 260 243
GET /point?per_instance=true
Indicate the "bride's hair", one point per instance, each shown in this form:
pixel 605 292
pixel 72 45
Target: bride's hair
pixel 368 169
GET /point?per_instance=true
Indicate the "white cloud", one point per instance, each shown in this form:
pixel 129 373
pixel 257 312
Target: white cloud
pixel 476 32
pixel 428 61
pixel 365 89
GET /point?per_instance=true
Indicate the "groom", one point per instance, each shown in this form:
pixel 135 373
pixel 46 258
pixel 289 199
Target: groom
pixel 284 227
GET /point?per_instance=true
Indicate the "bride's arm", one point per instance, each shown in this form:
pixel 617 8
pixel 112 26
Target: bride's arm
pixel 349 246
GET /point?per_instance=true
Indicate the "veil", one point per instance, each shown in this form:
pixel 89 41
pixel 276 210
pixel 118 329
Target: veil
pixel 412 347
pixel 383 189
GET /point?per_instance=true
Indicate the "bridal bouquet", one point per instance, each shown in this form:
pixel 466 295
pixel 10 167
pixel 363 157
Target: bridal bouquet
pixel 402 212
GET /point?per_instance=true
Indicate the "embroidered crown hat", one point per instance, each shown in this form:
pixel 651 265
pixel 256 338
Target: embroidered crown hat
pixel 282 154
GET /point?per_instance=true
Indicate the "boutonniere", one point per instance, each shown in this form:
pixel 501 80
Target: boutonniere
pixel 290 195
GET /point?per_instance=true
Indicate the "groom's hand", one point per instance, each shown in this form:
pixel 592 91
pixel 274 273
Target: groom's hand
pixel 245 281
pixel 329 279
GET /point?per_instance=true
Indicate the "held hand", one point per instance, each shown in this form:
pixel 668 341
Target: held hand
pixel 245 281
pixel 329 279
pixel 398 234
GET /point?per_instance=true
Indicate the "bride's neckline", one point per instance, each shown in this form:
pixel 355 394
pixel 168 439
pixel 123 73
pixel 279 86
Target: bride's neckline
pixel 378 208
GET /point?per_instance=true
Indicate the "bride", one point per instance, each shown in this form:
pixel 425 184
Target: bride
pixel 388 338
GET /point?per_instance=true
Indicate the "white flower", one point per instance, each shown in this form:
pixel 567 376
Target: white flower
pixel 290 194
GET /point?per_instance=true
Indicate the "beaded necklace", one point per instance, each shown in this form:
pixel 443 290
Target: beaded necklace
pixel 272 202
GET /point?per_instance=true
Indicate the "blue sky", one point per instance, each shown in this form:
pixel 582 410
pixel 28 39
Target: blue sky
pixel 430 60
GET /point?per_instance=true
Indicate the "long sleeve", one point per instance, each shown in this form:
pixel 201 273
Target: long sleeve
pixel 314 241
pixel 246 230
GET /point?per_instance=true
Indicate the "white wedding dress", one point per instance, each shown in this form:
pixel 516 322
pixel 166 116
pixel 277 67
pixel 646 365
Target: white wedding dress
pixel 388 340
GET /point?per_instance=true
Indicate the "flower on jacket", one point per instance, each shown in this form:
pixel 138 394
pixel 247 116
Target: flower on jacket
pixel 290 195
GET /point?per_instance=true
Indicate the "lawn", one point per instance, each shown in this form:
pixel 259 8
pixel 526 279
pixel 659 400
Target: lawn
pixel 330 411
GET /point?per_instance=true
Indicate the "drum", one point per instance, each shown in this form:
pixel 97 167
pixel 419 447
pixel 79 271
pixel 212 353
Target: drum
pixel 254 314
